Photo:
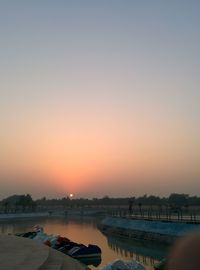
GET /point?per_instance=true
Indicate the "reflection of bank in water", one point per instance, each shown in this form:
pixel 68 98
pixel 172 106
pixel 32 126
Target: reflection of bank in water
pixel 95 261
pixel 146 253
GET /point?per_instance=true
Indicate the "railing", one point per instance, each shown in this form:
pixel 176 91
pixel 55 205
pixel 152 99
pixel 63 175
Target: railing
pixel 168 216
pixel 191 215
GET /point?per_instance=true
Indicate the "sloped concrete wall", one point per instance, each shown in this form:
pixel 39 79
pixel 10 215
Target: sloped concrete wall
pixel 165 232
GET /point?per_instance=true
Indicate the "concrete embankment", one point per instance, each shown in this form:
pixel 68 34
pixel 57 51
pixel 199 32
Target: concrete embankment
pixel 159 231
pixel 26 254
pixel 23 215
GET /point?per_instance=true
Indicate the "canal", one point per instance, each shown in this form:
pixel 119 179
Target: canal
pixel 85 230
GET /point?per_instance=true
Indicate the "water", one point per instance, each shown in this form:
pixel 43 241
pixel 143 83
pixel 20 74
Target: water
pixel 84 230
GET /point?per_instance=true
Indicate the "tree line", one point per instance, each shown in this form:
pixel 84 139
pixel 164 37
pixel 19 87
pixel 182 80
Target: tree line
pixel 25 203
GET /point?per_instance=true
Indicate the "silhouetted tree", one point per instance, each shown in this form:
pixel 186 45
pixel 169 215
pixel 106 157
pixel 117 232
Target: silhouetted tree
pixel 6 207
pixel 140 208
pixel 130 205
pixel 176 202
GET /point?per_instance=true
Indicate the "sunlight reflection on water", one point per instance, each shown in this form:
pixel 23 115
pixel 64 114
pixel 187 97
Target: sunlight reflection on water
pixel 84 230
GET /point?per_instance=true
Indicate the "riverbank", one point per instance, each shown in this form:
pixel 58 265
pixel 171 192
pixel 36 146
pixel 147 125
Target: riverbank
pixel 157 231
pixel 58 213
pixel 23 215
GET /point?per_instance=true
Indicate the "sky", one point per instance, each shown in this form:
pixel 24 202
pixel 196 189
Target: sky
pixel 99 97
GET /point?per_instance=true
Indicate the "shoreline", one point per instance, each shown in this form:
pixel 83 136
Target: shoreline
pixel 12 216
pixel 154 231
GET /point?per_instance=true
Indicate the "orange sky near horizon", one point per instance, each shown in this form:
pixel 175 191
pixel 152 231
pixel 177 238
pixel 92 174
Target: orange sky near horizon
pixel 82 154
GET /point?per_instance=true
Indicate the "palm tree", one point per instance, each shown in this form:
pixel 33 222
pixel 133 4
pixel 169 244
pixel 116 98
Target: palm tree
pixel 6 207
pixel 140 208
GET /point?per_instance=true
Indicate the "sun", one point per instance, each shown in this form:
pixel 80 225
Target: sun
pixel 71 195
